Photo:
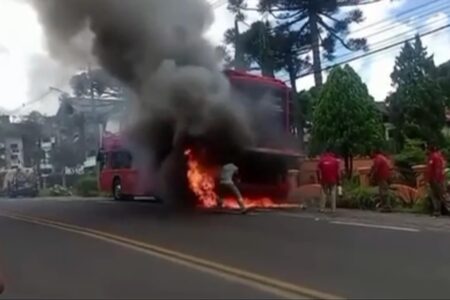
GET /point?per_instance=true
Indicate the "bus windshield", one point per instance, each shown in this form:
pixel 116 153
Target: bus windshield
pixel 269 97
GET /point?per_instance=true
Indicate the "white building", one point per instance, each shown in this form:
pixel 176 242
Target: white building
pixel 47 145
pixel 13 152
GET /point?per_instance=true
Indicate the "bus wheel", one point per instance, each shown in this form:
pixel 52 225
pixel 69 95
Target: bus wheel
pixel 117 190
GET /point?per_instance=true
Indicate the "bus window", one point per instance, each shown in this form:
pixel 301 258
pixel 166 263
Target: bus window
pixel 121 160
pixel 256 92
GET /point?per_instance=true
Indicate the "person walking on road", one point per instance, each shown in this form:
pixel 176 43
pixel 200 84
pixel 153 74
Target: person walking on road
pixel 226 184
pixel 435 175
pixel 380 174
pixel 328 176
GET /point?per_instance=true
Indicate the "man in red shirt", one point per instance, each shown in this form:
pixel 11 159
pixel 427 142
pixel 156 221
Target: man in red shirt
pixel 380 175
pixel 435 175
pixel 328 175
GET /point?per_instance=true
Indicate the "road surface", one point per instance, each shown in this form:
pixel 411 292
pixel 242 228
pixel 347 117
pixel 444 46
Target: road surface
pixel 78 248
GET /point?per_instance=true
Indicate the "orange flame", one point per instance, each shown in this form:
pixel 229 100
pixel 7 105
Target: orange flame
pixel 202 183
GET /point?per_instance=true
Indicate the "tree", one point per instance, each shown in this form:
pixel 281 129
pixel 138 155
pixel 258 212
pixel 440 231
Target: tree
pixel 223 56
pixel 240 60
pixel 289 52
pixel 66 154
pixel 96 83
pixel 443 78
pixel 233 36
pixel 417 107
pixel 345 117
pixel 260 46
pixel 303 105
pixel 319 21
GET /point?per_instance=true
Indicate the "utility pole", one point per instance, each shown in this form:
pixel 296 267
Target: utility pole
pixel 97 124
pixel 238 55
pixel 94 108
pixel 91 91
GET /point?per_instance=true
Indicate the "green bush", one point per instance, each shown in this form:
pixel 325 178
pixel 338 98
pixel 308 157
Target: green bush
pixel 350 183
pixel 362 197
pixel 421 206
pixel 412 154
pixel 55 191
pixel 86 186
pixel 447 175
pixel 446 147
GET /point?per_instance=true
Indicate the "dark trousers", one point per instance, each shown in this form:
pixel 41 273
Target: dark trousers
pixel 225 187
pixel 437 196
pixel 383 194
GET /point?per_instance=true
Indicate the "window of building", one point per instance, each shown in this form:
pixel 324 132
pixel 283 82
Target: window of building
pixel 14 148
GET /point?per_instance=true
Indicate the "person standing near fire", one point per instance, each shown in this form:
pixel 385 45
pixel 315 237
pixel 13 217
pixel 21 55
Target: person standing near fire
pixel 328 176
pixel 435 175
pixel 380 174
pixel 226 184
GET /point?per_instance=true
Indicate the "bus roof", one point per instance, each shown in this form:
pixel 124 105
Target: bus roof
pixel 248 76
pixel 111 141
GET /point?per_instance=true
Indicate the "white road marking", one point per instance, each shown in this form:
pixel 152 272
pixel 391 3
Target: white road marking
pixel 348 223
pixel 299 216
pixel 408 229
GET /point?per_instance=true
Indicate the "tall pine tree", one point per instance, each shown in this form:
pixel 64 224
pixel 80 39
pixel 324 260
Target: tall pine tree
pixel 322 21
pixel 417 107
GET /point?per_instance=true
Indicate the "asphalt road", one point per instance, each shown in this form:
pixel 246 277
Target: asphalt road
pixel 292 251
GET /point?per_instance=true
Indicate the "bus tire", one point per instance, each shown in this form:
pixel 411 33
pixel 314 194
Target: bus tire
pixel 117 189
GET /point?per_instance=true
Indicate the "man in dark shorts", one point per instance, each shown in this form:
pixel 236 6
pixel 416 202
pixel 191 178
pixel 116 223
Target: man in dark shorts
pixel 435 175
pixel 380 175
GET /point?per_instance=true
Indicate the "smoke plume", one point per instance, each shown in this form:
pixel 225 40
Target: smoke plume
pixel 157 48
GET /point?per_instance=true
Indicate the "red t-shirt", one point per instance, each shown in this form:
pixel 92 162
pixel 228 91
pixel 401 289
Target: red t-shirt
pixel 381 167
pixel 329 169
pixel 436 167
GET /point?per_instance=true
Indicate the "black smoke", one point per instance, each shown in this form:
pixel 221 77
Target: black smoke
pixel 156 48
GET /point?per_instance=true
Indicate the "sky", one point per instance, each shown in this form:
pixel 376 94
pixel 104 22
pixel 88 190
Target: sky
pixel 26 71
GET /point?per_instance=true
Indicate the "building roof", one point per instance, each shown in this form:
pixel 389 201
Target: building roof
pixel 85 105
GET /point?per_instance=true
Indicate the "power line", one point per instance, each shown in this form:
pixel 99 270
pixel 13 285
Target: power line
pixel 388 20
pixel 405 12
pixel 396 37
pixel 218 3
pixel 387 27
pixel 375 57
pixel 376 51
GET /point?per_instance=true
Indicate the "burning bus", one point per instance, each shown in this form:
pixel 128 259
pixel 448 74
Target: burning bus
pixel 263 169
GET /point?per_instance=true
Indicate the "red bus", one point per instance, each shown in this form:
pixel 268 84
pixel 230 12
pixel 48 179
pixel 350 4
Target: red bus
pixel 119 176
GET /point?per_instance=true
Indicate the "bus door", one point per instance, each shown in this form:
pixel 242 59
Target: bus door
pixel 121 166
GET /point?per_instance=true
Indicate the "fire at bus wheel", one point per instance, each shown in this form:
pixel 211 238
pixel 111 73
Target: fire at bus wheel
pixel 117 191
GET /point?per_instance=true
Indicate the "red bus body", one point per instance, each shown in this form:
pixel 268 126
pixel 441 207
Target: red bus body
pixel 132 183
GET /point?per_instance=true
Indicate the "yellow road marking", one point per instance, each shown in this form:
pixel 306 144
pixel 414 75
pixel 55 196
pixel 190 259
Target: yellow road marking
pixel 261 282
